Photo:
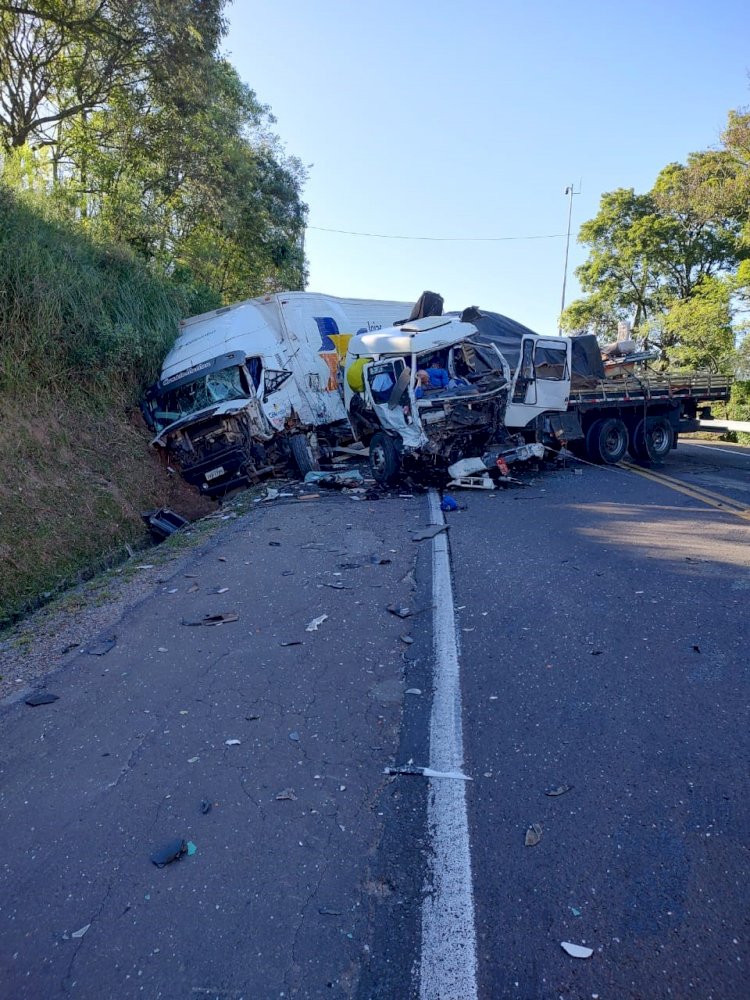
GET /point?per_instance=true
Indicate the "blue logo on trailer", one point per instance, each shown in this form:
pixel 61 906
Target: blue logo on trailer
pixel 326 326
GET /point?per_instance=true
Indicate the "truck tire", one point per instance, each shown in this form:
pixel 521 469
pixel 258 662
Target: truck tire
pixel 652 439
pixel 607 441
pixel 660 436
pixel 302 454
pixel 385 462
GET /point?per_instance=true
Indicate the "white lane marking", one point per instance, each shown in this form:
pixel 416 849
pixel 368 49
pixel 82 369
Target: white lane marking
pixel 448 968
pixel 711 447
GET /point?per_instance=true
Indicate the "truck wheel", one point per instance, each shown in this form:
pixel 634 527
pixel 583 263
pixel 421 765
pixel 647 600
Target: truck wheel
pixel 607 441
pixel 660 437
pixel 385 462
pixel 303 455
pixel 652 439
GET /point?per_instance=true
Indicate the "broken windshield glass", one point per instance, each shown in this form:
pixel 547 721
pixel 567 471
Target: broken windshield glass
pixel 207 390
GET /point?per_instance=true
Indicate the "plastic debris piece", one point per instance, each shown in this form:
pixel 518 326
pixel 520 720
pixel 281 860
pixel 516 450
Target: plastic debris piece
pixel 533 835
pixel 291 642
pixel 575 911
pixel 425 772
pixel 406 638
pixel 315 623
pixel 413 691
pixel 271 494
pixel 294 737
pixel 193 760
pixel 191 848
pixel 170 852
pixel 557 790
pixel 213 619
pixel 232 743
pixel 422 534
pixel 81 931
pixel 219 590
pixel 400 610
pixel 326 911
pixel 576 950
pixel 286 796
pixel 41 698
pixel 206 806
pixel 448 504
pixel 102 646
pixel 222 558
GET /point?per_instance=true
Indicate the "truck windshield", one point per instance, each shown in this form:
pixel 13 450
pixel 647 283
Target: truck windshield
pixel 206 390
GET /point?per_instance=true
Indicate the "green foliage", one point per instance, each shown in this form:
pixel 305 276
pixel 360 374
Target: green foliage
pixel 673 261
pixel 124 114
pixel 75 314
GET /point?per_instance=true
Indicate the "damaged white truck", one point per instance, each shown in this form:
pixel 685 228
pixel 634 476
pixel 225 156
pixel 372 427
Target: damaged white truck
pixel 252 387
pixel 472 393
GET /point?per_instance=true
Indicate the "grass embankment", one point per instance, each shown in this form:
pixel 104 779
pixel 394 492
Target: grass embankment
pixel 82 329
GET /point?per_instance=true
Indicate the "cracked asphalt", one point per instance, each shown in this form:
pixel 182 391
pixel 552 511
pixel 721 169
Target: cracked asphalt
pixel 279 897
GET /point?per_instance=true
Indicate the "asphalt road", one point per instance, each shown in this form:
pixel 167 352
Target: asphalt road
pixel 602 624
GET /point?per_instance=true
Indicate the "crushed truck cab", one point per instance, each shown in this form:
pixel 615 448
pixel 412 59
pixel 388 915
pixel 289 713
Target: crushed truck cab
pixel 428 393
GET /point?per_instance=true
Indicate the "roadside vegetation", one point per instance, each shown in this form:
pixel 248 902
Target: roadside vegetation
pixel 674 262
pixel 140 181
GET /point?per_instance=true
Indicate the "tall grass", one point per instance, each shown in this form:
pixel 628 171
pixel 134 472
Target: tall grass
pixel 75 314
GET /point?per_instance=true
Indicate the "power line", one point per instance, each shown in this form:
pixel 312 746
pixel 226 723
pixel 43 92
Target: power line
pixel 439 239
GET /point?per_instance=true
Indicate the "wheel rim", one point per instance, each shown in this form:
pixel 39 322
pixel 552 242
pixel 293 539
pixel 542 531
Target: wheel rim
pixel 659 439
pixel 613 441
pixel 377 459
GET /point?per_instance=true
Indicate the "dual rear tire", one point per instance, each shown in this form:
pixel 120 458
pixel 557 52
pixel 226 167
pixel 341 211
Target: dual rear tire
pixel 608 440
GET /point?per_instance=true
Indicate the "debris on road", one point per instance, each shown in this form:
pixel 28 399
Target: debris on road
pixel 294 737
pixel 407 639
pixel 576 950
pixel 191 848
pixel 220 619
pixel 206 806
pixel 286 796
pixel 336 480
pixel 400 610
pixel 326 911
pixel 413 691
pixel 41 698
pixel 102 646
pixel 315 623
pixel 169 853
pixel 232 743
pixel 557 790
pixel 276 545
pixel 425 772
pixel 422 534
pixel 376 560
pixel 291 642
pixel 533 835
pixel 81 931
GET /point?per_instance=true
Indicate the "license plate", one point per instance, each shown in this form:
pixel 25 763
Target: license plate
pixel 215 473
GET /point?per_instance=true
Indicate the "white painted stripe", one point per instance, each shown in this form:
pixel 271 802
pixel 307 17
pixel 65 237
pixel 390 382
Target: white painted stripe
pixel 448 968
pixel 712 447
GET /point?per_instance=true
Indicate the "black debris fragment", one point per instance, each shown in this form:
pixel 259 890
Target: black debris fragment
pixel 213 619
pixel 170 852
pixel 205 807
pixel 41 698
pixel 422 534
pixel 558 790
pixel 102 646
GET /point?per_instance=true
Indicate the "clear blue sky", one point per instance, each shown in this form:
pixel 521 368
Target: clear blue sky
pixel 469 119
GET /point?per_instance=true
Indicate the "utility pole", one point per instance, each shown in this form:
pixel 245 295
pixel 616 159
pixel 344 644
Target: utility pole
pixel 569 192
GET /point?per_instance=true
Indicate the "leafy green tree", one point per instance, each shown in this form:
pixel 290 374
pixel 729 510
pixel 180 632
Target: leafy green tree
pixel 680 249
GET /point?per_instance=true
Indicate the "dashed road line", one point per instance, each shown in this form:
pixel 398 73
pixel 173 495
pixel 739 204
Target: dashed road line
pixel 448 964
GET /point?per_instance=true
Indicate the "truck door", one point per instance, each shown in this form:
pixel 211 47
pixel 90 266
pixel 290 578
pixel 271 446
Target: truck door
pixel 387 393
pixel 543 375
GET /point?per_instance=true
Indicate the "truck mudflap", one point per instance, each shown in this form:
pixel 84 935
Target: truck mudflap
pixel 498 459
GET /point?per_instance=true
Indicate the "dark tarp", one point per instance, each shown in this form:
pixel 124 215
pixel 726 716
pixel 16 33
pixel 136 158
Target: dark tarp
pixel 507 334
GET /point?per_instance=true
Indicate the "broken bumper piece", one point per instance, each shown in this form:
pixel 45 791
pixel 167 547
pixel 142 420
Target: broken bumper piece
pixel 474 472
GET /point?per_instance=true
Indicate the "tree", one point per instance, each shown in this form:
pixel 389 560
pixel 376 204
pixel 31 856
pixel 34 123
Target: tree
pixel 682 246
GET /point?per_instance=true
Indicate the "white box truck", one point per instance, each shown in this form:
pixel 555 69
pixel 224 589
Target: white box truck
pixel 250 386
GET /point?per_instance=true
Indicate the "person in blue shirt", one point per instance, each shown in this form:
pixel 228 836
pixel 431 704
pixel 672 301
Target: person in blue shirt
pixel 439 377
